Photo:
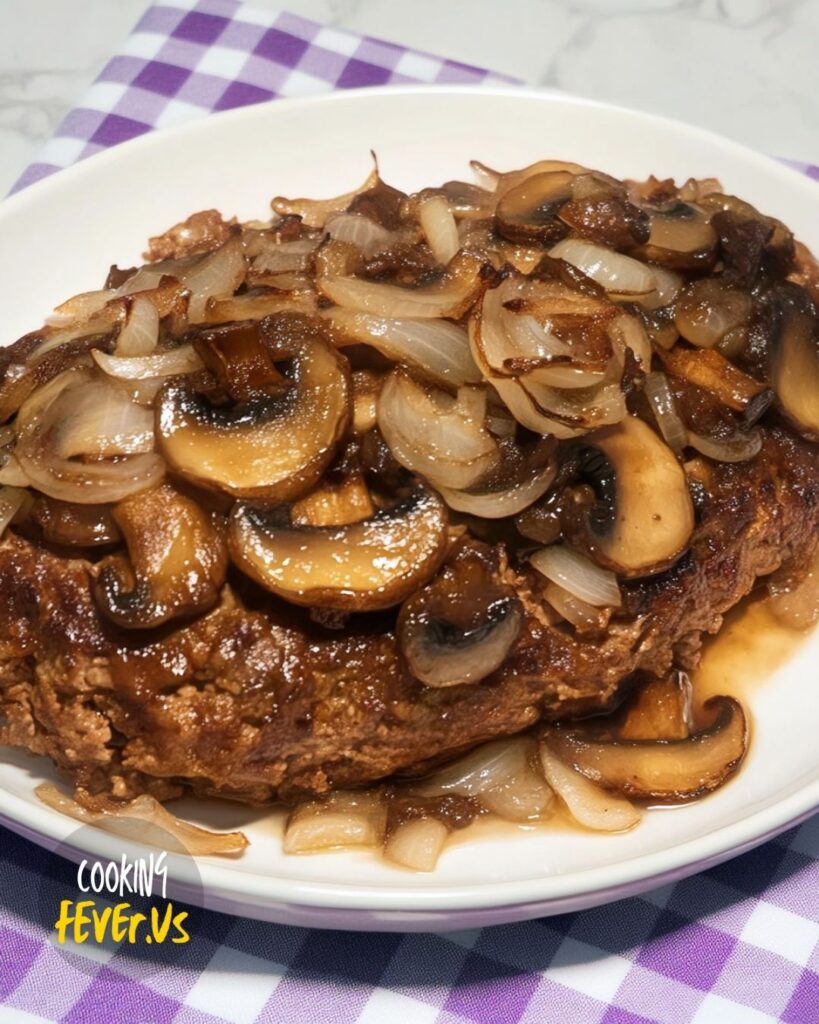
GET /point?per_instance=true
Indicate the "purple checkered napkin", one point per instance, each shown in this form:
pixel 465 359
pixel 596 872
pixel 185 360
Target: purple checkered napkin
pixel 738 943
pixel 190 58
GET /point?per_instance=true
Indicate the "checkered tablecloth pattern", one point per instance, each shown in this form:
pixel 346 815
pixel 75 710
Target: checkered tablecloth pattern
pixel 739 943
pixel 193 57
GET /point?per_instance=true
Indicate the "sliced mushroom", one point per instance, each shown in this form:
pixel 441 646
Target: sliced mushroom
pixel 602 213
pixel 673 771
pixel 794 362
pixel 64 522
pixel 273 447
pixel 643 518
pixel 527 212
pixel 461 626
pixel 176 563
pixel 681 237
pixel 366 566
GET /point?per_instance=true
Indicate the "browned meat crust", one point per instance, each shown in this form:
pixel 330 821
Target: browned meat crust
pixel 246 704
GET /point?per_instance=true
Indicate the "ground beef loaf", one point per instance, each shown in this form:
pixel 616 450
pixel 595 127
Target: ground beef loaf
pixel 248 702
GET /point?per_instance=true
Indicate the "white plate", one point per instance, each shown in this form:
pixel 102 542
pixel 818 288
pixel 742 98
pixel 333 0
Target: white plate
pixel 59 237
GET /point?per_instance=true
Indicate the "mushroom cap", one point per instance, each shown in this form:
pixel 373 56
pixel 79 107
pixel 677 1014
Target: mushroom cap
pixel 272 447
pixel 176 563
pixel 363 566
pixel 644 517
pixel 674 770
pixel 794 364
pixel 460 627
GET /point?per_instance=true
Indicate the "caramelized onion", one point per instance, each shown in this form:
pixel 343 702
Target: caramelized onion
pixel 500 775
pixel 176 361
pixel 665 412
pixel 101 324
pixel 84 482
pixel 468 201
pixel 587 803
pixel 343 819
pixel 257 304
pixel 79 308
pixel 12 475
pixel 145 820
pixel 437 348
pixel 573 609
pixel 707 310
pixel 440 228
pixel 417 843
pixel 577 574
pixel 794 594
pixel 143 280
pixel 98 420
pixel 620 275
pixel 432 434
pixel 497 504
pixel 141 331
pixel 362 232
pixel 314 213
pixel 214 276
pixel 737 447
pixel 501 183
pixel 502 337
pixel 451 296
pixel 286 256
pixel 711 371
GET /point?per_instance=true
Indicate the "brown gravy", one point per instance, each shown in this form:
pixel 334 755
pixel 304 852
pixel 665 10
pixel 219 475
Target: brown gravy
pixel 751 645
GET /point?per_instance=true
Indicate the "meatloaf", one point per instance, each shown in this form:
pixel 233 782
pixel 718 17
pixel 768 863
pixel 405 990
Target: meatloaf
pixel 307 503
pixel 243 704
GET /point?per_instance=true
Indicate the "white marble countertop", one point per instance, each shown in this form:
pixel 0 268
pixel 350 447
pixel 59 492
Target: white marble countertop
pixel 744 68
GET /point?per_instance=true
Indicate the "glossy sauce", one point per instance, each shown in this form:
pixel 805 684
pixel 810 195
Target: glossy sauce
pixel 751 645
